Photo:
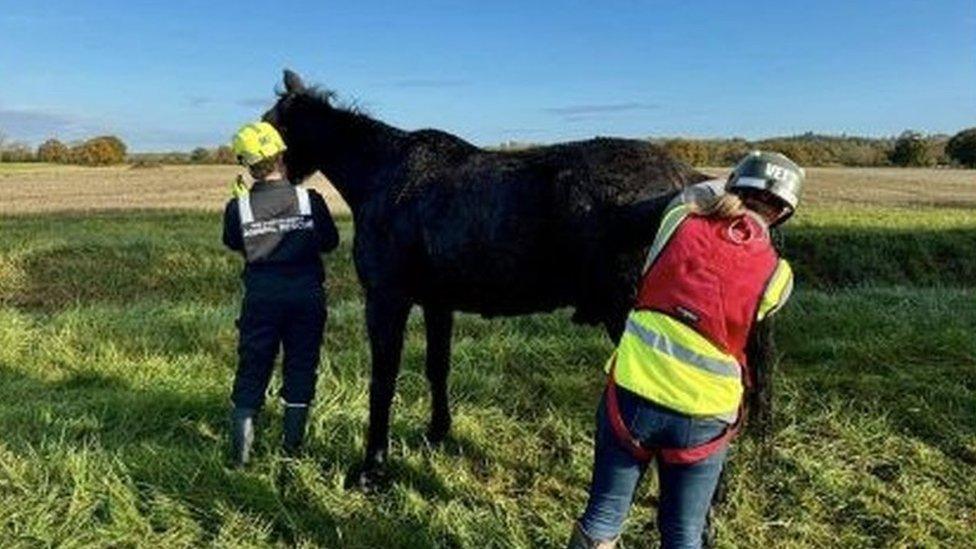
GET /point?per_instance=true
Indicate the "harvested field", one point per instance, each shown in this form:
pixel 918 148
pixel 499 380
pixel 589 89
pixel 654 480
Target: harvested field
pixel 886 186
pixel 26 188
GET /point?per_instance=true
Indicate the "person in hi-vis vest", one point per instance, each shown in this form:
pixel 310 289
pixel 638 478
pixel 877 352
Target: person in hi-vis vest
pixel 695 340
pixel 281 229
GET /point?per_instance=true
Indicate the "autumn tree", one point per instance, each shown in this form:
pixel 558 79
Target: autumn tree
pixel 224 155
pixel 692 152
pixel 962 148
pixel 911 149
pixel 200 155
pixel 99 151
pixel 52 150
pixel 17 152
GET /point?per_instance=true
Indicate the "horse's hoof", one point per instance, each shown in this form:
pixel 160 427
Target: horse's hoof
pixel 437 432
pixel 286 474
pixel 367 480
pixel 369 476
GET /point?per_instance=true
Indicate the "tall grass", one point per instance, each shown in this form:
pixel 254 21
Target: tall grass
pixel 117 350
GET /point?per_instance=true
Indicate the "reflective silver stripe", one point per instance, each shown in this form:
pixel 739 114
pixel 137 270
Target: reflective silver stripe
pixel 729 417
pixel 752 182
pixel 667 346
pixel 244 209
pixel 287 404
pixel 304 205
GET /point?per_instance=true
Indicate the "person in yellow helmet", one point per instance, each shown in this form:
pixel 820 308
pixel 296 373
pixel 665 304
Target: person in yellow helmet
pixel 281 229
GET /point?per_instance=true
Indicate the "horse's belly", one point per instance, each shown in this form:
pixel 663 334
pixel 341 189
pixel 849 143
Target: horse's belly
pixel 496 281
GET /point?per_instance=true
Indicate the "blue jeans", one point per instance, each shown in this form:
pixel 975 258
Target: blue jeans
pixel 686 490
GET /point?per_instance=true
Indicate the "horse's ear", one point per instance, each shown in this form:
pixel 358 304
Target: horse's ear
pixel 293 82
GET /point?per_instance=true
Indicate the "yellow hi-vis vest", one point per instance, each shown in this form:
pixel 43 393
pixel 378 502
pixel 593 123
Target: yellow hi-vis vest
pixel 661 356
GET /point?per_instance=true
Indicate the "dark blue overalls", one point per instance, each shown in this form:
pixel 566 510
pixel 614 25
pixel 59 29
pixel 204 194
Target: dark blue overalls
pixel 281 230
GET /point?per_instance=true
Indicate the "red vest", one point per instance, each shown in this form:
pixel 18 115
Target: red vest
pixel 711 275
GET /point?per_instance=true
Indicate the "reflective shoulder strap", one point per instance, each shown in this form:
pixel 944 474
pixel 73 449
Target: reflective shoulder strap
pixel 777 290
pixel 304 204
pixel 669 224
pixel 244 209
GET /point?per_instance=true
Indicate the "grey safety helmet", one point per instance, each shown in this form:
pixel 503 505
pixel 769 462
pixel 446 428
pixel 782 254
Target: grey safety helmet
pixel 771 172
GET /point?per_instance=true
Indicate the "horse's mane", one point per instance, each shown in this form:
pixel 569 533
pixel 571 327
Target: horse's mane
pixel 327 98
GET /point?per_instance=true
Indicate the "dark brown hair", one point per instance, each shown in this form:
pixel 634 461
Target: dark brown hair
pixel 265 167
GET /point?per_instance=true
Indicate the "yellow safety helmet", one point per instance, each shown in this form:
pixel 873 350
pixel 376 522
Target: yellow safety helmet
pixel 256 142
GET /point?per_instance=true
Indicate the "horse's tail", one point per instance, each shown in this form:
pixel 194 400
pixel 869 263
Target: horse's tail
pixel 762 356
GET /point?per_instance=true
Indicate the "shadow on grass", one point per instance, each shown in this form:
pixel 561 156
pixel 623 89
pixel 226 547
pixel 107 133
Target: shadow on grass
pixel 837 256
pixel 940 414
pixel 174 445
pixel 905 353
pixel 119 258
pixel 123 257
pixel 122 272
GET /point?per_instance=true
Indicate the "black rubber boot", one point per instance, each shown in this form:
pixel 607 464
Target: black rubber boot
pixel 294 429
pixel 242 435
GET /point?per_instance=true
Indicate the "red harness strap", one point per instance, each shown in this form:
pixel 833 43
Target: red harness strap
pixel 674 456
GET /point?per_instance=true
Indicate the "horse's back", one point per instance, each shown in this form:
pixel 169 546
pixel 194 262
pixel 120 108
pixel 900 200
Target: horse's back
pixel 617 171
pixel 516 232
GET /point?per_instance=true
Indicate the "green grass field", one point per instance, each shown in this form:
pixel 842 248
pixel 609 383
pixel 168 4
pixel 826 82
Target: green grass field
pixel 117 348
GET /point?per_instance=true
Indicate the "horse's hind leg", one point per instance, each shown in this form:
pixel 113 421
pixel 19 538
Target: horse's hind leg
pixel 615 321
pixel 386 318
pixel 438 322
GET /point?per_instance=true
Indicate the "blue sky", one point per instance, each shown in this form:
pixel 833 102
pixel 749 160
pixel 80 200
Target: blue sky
pixel 176 75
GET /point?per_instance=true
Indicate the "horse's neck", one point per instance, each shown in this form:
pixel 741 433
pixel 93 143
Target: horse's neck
pixel 358 156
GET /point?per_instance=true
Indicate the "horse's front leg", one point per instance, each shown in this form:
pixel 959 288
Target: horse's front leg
pixel 438 322
pixel 386 317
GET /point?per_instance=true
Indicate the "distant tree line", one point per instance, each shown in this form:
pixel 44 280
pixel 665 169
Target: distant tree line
pixel 199 155
pixel 103 150
pixel 106 150
pixel 909 149
pixel 809 149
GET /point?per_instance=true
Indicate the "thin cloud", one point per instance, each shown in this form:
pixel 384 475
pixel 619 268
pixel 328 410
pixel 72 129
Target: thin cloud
pixel 199 101
pixel 32 126
pixel 255 102
pixel 38 124
pixel 428 83
pixel 523 130
pixel 575 111
pixel 143 138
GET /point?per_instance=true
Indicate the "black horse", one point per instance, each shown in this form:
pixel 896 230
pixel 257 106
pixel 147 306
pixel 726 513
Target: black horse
pixel 448 226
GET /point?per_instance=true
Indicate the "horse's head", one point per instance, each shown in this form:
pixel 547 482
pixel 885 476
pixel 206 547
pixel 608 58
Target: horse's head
pixel 298 115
